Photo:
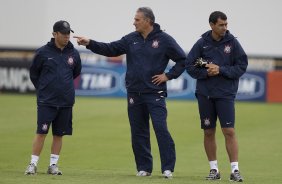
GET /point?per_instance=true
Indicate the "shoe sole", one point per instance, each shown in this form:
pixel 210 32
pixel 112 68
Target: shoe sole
pixel 55 173
pixel 166 177
pixel 30 174
pixel 235 180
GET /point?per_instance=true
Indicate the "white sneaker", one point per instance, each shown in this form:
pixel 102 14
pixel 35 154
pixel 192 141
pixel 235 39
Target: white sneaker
pixel 54 170
pixel 143 173
pixel 167 174
pixel 30 170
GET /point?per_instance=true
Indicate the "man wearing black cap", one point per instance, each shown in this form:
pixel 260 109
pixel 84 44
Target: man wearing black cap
pixel 52 72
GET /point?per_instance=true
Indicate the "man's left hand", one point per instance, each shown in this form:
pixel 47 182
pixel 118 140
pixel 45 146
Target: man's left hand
pixel 158 79
pixel 212 69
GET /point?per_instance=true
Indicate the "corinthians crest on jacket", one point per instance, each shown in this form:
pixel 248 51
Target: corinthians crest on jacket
pixel 227 49
pixel 70 61
pixel 155 44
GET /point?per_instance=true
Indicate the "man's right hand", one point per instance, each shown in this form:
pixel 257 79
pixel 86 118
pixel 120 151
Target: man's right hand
pixel 82 40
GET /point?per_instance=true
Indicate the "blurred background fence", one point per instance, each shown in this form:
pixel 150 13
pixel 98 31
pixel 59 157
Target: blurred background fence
pixel 104 76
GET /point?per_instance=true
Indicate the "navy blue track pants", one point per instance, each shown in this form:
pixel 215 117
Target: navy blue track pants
pixel 142 107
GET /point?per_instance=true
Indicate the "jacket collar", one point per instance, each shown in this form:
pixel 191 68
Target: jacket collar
pixel 156 30
pixel 208 37
pixel 52 44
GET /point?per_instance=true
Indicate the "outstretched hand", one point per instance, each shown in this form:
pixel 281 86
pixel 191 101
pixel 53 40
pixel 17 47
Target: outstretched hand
pixel 82 40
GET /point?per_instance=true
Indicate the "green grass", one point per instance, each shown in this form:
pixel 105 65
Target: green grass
pixel 100 150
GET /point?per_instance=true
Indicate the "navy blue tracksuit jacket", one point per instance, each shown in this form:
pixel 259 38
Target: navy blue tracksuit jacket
pixel 146 58
pixel 52 73
pixel 228 55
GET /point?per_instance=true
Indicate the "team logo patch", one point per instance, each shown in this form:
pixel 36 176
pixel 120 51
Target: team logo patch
pixel 45 127
pixel 70 61
pixel 207 122
pixel 155 44
pixel 131 101
pixel 227 49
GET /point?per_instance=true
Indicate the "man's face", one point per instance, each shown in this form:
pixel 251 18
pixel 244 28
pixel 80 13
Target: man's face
pixel 219 28
pixel 141 24
pixel 61 39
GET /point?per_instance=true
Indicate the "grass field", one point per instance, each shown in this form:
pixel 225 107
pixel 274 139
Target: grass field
pixel 100 151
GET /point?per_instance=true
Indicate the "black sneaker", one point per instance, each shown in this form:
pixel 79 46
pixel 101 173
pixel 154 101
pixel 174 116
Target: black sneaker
pixel 213 175
pixel 236 176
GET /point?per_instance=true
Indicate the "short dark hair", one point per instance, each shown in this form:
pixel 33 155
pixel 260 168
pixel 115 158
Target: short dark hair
pixel 216 15
pixel 148 13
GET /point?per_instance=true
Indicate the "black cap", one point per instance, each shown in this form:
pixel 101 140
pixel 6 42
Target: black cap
pixel 62 27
